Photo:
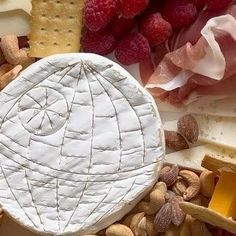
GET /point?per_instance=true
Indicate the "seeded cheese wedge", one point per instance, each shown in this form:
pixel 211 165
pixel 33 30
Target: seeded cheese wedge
pixel 55 27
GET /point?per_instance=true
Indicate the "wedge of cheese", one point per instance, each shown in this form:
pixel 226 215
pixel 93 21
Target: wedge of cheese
pixel 192 158
pixel 222 107
pixel 217 129
pixel 15 17
pixel 223 200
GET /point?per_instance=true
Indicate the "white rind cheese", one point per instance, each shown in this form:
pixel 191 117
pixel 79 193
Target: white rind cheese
pixel 192 157
pixel 80 144
pixel 221 107
pixel 217 130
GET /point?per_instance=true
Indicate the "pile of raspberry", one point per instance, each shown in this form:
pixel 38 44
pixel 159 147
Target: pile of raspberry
pixel 133 28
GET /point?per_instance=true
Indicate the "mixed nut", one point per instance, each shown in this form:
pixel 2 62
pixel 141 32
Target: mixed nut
pixel 188 132
pixel 159 213
pixel 12 59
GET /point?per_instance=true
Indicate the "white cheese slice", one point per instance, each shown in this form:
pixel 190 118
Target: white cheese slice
pixel 81 142
pixel 217 130
pixel 209 105
pixel 192 158
pixel 14 22
pixel 15 17
pixel 9 5
pixel 220 107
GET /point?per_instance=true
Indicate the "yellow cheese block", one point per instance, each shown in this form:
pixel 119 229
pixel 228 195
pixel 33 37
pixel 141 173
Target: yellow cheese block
pixel 223 200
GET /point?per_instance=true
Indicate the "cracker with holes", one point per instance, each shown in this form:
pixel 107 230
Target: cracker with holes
pixel 55 27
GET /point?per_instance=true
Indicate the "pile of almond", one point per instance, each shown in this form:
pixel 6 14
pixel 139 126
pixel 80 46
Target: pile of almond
pixel 188 132
pixel 159 212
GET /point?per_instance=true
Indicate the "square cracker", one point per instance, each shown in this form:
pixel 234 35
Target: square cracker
pixel 56 27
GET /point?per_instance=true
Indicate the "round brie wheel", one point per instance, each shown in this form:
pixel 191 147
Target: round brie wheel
pixel 81 142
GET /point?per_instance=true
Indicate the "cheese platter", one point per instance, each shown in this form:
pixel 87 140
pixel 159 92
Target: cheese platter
pixel 117 117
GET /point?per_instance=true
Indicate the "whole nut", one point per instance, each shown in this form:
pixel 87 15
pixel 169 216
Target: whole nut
pixel 180 186
pixel 10 49
pixel 175 141
pixel 169 175
pixel 9 76
pixel 118 230
pixel 162 220
pixel 157 200
pixel 207 181
pixel 178 215
pixel 161 186
pixel 193 184
pixel 188 127
pixel 135 224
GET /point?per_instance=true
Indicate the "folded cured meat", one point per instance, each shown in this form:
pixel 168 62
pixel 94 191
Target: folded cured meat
pixel 202 65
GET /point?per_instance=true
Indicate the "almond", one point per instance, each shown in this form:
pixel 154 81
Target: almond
pixel 175 141
pixel 169 175
pixel 188 127
pixel 178 215
pixel 162 220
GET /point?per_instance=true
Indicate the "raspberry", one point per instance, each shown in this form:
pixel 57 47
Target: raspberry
pixel 132 49
pixel 131 8
pixel 198 3
pixel 120 26
pixel 216 5
pixel 179 13
pixel 155 29
pixel 99 13
pixel 100 42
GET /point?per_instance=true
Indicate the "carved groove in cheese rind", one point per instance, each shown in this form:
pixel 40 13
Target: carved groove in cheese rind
pixel 84 137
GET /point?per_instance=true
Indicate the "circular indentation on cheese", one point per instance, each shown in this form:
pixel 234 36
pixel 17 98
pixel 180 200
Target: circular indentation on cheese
pixel 42 111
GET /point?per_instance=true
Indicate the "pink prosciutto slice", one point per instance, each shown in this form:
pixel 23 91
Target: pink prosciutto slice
pixel 201 63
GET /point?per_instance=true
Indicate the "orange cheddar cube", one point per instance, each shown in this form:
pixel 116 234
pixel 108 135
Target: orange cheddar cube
pixel 223 200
